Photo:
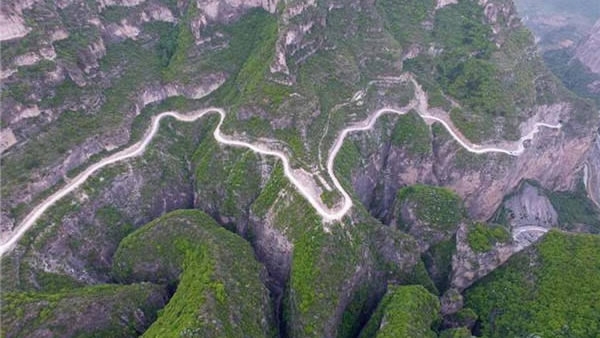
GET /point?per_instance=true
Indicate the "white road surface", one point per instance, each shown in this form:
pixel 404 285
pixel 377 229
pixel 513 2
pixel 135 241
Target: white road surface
pixel 528 228
pixel 329 215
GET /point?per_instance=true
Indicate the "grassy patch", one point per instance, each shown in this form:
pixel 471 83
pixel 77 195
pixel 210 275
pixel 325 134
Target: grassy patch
pixel 482 237
pixel 412 132
pixel 174 47
pixel 347 159
pixel 403 18
pixel 330 197
pixel 461 332
pixel 439 207
pixel 304 268
pixel 405 311
pixel 252 48
pixel 269 194
pixel 473 127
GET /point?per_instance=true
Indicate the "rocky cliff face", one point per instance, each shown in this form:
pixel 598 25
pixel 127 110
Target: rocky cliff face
pixel 113 203
pixel 482 181
pixel 587 51
pixel 42 85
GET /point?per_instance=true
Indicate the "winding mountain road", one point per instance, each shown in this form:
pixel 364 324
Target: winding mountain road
pixel 528 228
pixel 521 241
pixel 303 187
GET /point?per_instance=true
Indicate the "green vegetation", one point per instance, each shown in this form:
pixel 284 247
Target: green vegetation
pixel 112 310
pixel 575 208
pixel 420 276
pixel 217 275
pixel 168 44
pixel 403 18
pixel 347 159
pixel 269 193
pixel 70 49
pixel 462 29
pixel 174 47
pixel 219 291
pixel 114 13
pixel 461 332
pixel 229 178
pixel 465 317
pixel 482 237
pixel 319 261
pixel 474 83
pixel 489 82
pixel 572 73
pixel 356 313
pixel 405 311
pixel 411 132
pixel 330 197
pixel 304 268
pixel 464 70
pixel 439 207
pixel 54 282
pixel 162 54
pixel 470 124
pixel 252 47
pixel 108 219
pixel 548 290
pixel 73 127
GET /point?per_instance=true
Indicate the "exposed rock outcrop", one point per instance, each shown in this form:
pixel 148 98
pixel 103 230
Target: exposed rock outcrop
pixel 125 3
pixel 469 266
pixel 444 3
pixel 588 52
pixel 114 202
pixel 591 172
pixel 482 186
pixel 7 139
pixel 112 140
pixel 12 26
pixel 227 10
pixel 530 207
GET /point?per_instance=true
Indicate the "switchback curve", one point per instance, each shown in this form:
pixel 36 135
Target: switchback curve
pixel 328 214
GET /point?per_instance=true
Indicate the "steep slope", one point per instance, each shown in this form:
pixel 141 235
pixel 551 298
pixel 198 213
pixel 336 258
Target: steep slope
pixel 108 310
pixel 219 291
pixel 549 290
pixel 111 62
pixel 405 311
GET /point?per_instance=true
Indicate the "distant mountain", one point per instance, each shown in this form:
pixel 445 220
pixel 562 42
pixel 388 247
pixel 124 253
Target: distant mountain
pixel 567 33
